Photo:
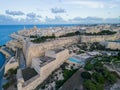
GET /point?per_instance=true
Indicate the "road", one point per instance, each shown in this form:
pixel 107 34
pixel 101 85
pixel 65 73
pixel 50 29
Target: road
pixel 21 59
pixel 74 83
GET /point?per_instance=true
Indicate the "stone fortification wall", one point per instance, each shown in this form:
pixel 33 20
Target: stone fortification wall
pixel 113 45
pixel 45 71
pixel 32 50
pixel 99 38
pixel 12 64
pixel 60 58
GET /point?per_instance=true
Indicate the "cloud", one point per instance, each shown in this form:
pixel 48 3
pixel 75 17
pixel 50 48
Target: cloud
pixel 87 3
pixel 55 20
pixel 6 20
pixel 57 10
pixel 93 3
pixel 86 20
pixel 113 6
pixel 112 20
pixel 92 20
pixel 33 15
pixel 14 13
pixel 30 19
pixel 39 16
pixel 76 19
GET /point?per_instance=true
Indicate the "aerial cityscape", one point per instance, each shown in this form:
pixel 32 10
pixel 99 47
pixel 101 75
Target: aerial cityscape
pixel 60 45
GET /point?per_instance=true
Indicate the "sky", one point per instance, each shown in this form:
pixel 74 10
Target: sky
pixel 59 11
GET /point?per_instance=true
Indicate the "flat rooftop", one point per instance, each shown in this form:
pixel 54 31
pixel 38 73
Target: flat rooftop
pixel 28 73
pixel 93 53
pixel 58 50
pixel 81 56
pixel 45 60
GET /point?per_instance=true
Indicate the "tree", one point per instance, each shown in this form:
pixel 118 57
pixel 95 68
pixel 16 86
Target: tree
pixel 43 87
pixel 98 78
pixel 98 66
pixel 88 84
pixel 11 71
pixel 86 75
pixel 53 36
pixel 89 66
pixel 99 86
pixel 96 46
pixel 77 33
pixel 105 73
pixel 5 86
pixel 112 78
pixel 119 53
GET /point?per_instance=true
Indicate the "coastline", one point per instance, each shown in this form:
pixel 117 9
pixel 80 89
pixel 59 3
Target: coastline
pixel 31 49
pixel 2 65
pixel 6 30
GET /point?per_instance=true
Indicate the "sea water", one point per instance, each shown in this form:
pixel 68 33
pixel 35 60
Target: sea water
pixel 2 61
pixel 6 30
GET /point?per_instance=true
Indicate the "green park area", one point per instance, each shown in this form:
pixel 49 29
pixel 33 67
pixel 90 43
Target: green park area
pixel 42 39
pixel 96 76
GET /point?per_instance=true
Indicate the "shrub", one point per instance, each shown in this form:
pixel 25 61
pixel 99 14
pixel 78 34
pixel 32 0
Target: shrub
pixel 99 86
pixel 86 75
pixel 98 78
pixel 6 85
pixel 105 73
pixel 112 78
pixel 43 87
pixel 59 83
pixel 89 66
pixel 98 66
pixel 88 84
